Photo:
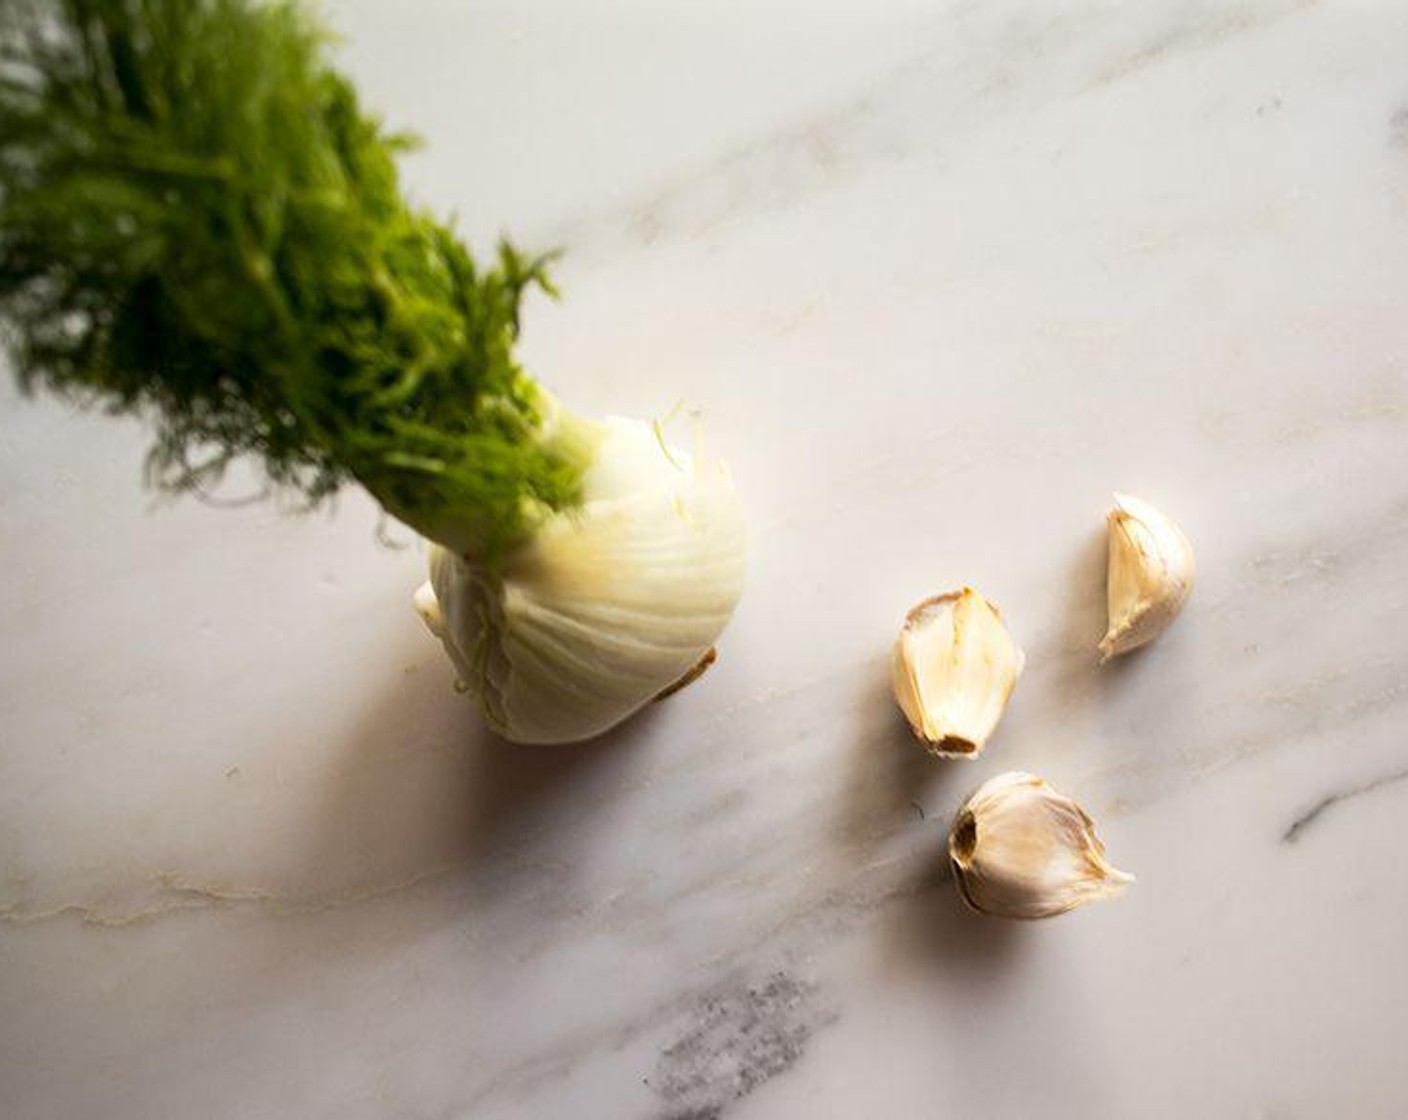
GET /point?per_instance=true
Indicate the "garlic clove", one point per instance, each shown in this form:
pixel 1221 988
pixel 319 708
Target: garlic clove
pixel 1021 850
pixel 1150 576
pixel 954 666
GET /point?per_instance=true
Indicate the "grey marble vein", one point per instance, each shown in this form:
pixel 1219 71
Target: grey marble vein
pixel 1296 830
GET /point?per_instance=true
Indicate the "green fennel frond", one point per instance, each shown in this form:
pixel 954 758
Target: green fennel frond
pixel 200 223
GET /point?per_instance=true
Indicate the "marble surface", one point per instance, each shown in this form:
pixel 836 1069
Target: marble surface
pixel 937 279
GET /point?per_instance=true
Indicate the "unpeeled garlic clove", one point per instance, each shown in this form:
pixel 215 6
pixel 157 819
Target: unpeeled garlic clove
pixel 1151 574
pixel 954 666
pixel 1021 850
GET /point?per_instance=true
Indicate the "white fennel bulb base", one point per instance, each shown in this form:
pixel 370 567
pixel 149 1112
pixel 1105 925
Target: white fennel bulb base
pixel 606 605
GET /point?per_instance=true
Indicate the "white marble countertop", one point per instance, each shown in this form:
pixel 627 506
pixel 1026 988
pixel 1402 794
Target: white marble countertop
pixel 938 279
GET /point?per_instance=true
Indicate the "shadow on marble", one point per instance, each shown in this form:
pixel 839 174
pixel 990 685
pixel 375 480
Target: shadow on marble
pixel 930 929
pixel 893 782
pixel 1154 722
pixel 894 827
pixel 424 789
pixel 1076 677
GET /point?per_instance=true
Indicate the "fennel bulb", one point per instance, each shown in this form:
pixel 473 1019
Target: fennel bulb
pixel 605 606
pixel 200 223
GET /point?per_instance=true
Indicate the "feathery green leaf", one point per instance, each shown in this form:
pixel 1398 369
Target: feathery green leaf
pixel 200 223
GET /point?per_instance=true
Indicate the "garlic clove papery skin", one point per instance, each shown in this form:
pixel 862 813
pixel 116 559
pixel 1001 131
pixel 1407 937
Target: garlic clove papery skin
pixel 1021 850
pixel 1150 575
pixel 606 605
pixel 953 668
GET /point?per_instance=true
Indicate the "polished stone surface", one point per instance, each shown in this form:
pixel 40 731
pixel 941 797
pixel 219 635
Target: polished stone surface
pixel 936 282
